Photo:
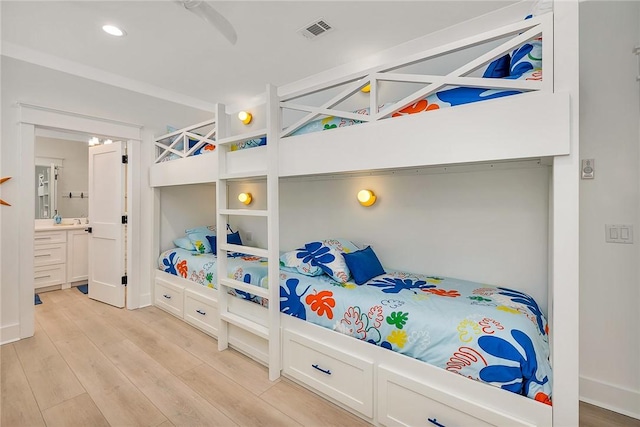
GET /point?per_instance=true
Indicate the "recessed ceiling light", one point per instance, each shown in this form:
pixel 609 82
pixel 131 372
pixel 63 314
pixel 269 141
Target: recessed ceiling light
pixel 113 30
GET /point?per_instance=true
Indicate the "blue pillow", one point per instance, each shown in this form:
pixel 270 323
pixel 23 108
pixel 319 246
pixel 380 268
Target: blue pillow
pixel 209 229
pixel 184 243
pixel 213 243
pixel 327 258
pixel 201 241
pixel 232 238
pixel 499 68
pixel 364 265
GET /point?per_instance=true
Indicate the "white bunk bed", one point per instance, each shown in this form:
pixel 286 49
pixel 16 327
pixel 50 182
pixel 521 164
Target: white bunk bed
pixel 379 385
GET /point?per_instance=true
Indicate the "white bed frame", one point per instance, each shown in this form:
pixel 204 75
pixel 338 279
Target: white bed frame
pixel 378 385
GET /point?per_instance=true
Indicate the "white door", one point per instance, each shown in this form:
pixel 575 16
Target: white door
pixel 106 208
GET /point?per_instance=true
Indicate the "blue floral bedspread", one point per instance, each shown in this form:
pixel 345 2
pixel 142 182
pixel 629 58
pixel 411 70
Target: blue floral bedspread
pixel 490 334
pixel 202 269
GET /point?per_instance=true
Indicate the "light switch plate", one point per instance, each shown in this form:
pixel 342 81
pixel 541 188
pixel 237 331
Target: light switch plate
pixel 618 233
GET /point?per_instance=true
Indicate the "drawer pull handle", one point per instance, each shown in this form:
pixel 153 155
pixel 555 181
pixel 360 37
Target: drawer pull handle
pixel 326 371
pixel 42 277
pixel 43 238
pixel 434 421
pixel 204 313
pixel 39 256
pixel 166 296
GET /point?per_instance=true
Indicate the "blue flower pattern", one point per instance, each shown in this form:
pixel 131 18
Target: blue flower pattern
pixel 316 254
pixel 170 264
pixel 522 298
pixel 517 379
pixel 290 301
pixel 392 285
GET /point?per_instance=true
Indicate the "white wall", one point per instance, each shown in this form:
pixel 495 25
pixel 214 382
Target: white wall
pixel 27 83
pixel 609 129
pixel 72 177
pixel 483 225
pixel 185 206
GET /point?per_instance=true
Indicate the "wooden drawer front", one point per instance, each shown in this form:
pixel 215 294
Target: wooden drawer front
pixel 201 312
pixel 406 402
pixel 48 275
pixel 169 297
pixel 341 376
pixel 48 254
pixel 46 237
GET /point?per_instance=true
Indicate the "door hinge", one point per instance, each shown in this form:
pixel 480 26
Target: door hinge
pixel 124 280
pixel 125 159
pixel 125 219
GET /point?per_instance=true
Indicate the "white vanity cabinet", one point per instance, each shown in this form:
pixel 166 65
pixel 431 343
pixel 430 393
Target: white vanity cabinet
pixel 77 255
pixel 60 256
pixel 50 258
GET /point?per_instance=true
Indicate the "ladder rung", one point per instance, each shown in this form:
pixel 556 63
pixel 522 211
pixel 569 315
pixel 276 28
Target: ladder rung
pixel 249 325
pixel 259 133
pixel 244 212
pixel 246 287
pixel 244 175
pixel 245 250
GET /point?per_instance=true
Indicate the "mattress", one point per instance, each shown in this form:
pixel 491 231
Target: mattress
pixel 202 269
pixel 490 334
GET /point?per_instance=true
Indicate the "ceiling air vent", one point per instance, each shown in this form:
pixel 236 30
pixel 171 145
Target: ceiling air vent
pixel 315 29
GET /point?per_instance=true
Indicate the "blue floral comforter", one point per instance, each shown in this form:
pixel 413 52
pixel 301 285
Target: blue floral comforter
pixel 490 334
pixel 202 269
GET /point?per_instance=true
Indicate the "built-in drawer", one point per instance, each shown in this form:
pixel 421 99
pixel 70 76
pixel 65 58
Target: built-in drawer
pixel 406 402
pixel 201 312
pixel 48 254
pixel 49 275
pixel 46 237
pixel 340 375
pixel 169 297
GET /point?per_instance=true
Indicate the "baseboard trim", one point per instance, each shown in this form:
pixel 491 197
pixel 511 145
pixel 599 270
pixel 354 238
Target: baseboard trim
pixel 609 396
pixel 9 333
pixel 145 300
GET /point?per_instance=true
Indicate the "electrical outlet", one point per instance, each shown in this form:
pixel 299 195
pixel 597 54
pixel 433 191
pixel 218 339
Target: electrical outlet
pixel 249 235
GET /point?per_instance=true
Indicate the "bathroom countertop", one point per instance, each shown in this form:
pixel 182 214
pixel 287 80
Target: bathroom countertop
pixel 51 227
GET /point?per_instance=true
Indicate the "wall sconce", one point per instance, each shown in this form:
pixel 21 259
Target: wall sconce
pixel 245 117
pixel 245 198
pixel 366 197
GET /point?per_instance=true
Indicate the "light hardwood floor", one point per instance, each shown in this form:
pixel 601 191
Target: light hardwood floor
pixel 90 364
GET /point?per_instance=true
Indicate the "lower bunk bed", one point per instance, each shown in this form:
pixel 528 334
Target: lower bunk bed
pixel 491 335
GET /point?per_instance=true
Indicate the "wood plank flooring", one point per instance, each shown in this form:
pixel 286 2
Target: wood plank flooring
pixel 90 364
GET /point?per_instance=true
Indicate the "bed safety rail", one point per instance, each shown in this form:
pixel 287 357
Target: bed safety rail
pixel 499 42
pixel 187 141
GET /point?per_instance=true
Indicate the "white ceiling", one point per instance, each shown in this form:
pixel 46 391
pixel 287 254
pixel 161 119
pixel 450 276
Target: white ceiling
pixel 174 51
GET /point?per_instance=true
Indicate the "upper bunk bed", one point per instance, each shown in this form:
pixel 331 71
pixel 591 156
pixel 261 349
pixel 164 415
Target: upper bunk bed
pixel 499 110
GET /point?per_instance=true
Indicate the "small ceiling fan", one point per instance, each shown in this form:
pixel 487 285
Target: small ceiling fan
pixel 205 11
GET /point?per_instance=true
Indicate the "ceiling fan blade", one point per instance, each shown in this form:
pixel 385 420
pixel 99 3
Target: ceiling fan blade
pixel 205 11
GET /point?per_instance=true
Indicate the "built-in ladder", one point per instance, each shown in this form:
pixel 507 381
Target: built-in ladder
pixel 270 329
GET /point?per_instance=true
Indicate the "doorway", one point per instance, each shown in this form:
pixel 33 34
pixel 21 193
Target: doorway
pixel 35 117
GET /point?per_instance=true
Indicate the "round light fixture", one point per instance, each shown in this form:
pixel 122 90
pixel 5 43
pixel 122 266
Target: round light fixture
pixel 245 117
pixel 113 30
pixel 366 197
pixel 244 198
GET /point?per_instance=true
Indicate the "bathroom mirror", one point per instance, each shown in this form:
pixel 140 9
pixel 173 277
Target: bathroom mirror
pixel 62 174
